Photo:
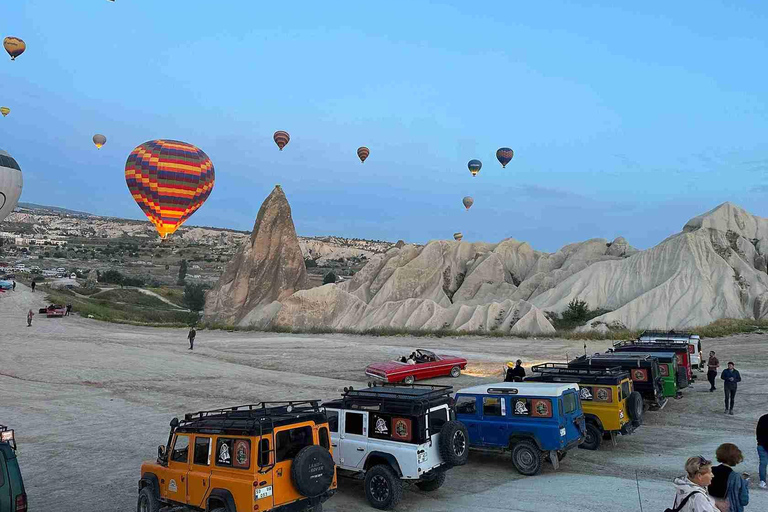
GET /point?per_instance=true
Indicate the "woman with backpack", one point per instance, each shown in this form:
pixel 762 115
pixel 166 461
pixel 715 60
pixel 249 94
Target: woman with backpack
pixel 692 495
pixel 729 487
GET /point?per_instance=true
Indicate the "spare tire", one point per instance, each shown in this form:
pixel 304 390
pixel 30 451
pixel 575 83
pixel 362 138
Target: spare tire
pixel 635 407
pixel 312 471
pixel 454 443
pixel 682 377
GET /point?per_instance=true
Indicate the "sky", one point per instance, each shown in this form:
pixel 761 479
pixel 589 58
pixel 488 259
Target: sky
pixel 626 120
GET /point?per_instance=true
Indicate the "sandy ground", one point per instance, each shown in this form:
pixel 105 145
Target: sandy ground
pixel 91 400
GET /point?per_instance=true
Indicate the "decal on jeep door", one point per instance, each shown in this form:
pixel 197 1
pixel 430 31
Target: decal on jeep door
pixel 381 426
pixel 640 375
pixel 401 429
pixel 585 393
pixel 521 407
pixel 242 453
pixel 224 458
pixel 172 486
pixel 541 408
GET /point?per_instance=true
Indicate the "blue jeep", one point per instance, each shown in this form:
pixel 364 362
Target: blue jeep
pixel 532 420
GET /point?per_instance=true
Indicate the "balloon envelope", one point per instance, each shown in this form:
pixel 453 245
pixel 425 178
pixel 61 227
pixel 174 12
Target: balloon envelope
pixel 5 111
pixel 504 155
pixel 468 202
pixel 281 138
pixel 362 153
pixel 14 46
pixel 474 166
pixel 99 140
pixel 10 184
pixel 169 180
pixel 458 236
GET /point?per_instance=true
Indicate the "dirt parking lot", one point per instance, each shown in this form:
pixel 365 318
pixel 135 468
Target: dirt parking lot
pixel 91 400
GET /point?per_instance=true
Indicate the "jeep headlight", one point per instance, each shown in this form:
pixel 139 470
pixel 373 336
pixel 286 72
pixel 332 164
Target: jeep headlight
pixel 421 456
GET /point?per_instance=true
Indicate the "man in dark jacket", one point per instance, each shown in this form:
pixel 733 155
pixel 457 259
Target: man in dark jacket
pixel 191 337
pixel 762 447
pixel 712 365
pixel 732 378
pixel 516 374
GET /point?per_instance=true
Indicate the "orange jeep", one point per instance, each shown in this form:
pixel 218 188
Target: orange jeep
pixel 268 456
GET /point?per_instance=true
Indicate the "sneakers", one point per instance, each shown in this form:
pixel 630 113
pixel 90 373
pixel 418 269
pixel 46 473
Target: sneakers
pixel 763 485
pixel 730 412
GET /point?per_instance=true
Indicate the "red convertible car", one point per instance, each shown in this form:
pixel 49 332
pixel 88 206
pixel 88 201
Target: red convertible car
pixel 421 364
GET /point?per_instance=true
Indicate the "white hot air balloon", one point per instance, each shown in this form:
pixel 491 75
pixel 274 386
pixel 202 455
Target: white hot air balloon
pixel 10 184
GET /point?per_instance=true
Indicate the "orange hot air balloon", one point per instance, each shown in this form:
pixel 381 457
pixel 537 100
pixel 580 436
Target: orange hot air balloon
pixel 14 46
pixel 362 153
pixel 281 138
pixel 5 111
pixel 169 180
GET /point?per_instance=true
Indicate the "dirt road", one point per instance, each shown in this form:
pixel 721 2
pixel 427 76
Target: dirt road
pixel 91 400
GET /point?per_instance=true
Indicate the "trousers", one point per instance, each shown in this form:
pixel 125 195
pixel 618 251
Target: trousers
pixel 730 397
pixel 763 454
pixel 711 376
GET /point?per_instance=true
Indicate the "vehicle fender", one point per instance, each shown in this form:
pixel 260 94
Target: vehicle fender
pixel 150 479
pixel 375 458
pixel 591 418
pixel 519 436
pixel 222 496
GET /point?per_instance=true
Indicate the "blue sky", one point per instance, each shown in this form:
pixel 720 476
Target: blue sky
pixel 625 120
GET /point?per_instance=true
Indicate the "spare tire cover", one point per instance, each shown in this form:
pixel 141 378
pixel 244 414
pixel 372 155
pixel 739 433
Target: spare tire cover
pixel 454 443
pixel 635 406
pixel 682 377
pixel 312 471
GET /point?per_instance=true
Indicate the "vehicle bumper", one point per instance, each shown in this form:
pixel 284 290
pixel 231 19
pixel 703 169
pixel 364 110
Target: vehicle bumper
pixel 630 427
pixel 377 377
pixel 573 444
pixel 305 503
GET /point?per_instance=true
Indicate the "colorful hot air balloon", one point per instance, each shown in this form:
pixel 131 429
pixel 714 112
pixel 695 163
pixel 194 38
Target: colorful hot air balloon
pixel 169 180
pixel 504 155
pixel 458 236
pixel 362 153
pixel 99 140
pixel 14 46
pixel 468 202
pixel 5 111
pixel 474 166
pixel 281 138
pixel 10 184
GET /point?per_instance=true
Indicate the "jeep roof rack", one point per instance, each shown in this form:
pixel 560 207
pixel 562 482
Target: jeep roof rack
pixel 659 343
pixel 666 333
pixel 614 356
pixel 563 372
pixel 407 398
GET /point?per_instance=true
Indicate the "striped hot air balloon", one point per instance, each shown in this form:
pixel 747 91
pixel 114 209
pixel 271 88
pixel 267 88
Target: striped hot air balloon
pixel 504 155
pixel 458 236
pixel 362 153
pixel 281 138
pixel 474 166
pixel 169 180
pixel 99 140
pixel 14 46
pixel 5 111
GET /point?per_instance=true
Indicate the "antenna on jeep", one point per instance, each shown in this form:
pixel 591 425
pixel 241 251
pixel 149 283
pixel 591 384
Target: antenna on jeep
pixel 585 349
pixel 637 481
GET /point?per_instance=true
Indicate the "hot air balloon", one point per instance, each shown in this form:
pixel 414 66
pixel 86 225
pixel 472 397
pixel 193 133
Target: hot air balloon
pixel 474 166
pixel 169 180
pixel 10 184
pixel 504 155
pixel 468 202
pixel 362 153
pixel 281 138
pixel 99 140
pixel 458 236
pixel 5 111
pixel 14 46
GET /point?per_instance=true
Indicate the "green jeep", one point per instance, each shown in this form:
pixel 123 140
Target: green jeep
pixel 12 495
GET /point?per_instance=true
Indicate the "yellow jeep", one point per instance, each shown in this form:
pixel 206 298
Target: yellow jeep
pixel 270 456
pixel 610 404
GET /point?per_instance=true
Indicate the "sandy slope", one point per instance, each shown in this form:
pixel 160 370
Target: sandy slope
pixel 90 400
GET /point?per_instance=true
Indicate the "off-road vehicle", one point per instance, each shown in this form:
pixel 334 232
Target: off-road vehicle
pixel 270 456
pixel 531 420
pixel 388 434
pixel 680 348
pixel 673 377
pixel 611 406
pixel 13 498
pixel 693 341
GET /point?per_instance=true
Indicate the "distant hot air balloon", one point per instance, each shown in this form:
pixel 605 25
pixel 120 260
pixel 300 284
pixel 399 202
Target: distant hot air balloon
pixel 362 153
pixel 504 155
pixel 458 236
pixel 468 202
pixel 169 180
pixel 281 138
pixel 99 140
pixel 5 111
pixel 474 166
pixel 14 46
pixel 10 184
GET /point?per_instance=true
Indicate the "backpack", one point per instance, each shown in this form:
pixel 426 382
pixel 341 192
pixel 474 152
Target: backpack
pixel 682 503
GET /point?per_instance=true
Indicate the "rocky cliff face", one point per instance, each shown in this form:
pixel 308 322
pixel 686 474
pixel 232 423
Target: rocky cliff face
pixel 268 267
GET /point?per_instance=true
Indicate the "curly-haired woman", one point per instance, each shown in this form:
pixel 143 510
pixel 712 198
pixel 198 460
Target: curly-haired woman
pixel 727 485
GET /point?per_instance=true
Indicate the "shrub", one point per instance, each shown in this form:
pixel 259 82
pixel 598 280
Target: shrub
pixel 330 277
pixel 182 272
pixel 310 263
pixel 194 296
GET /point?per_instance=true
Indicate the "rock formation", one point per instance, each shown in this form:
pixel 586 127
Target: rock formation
pixel 268 267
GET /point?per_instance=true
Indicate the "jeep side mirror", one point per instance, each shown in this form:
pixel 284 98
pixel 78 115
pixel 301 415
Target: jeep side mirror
pixel 161 452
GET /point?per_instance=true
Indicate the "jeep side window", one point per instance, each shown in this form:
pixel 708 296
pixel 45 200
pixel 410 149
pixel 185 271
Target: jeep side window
pixel 569 402
pixel 202 451
pixel 290 442
pixel 180 449
pixel 264 452
pixel 466 405
pixel 625 392
pixel 437 418
pixel 353 423
pixel 323 438
pixel 333 420
pixel 492 406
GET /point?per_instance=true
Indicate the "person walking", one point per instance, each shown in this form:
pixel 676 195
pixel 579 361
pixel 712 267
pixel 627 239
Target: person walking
pixel 33 286
pixel 29 318
pixel 691 489
pixel 712 365
pixel 732 378
pixel 14 285
pixel 69 308
pixel 728 487
pixel 762 448
pixel 191 337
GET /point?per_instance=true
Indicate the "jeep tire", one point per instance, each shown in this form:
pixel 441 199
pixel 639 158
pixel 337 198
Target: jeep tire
pixel 147 501
pixel 382 487
pixel 526 457
pixel 409 380
pixel 454 443
pixel 312 471
pixel 432 484
pixel 455 372
pixel 635 407
pixel 593 437
pixel 682 377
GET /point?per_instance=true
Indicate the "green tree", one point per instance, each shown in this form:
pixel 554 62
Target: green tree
pixel 330 277
pixel 182 272
pixel 194 296
pixel 578 311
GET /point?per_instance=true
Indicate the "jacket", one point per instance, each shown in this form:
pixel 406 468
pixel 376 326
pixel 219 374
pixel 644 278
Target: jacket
pixel 700 502
pixel 728 485
pixel 727 374
pixel 713 363
pixel 762 431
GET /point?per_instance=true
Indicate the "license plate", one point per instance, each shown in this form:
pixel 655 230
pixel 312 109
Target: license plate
pixel 264 492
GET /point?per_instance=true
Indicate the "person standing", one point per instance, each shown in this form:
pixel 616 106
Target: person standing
pixel 518 371
pixel 191 337
pixel 762 448
pixel 728 487
pixel 33 286
pixel 732 378
pixel 691 489
pixel 14 285
pixel 29 318
pixel 69 308
pixel 712 365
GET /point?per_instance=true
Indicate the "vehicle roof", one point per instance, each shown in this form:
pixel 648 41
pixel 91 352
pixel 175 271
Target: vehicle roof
pixel 562 372
pixel 523 388
pixel 616 358
pixel 406 399
pixel 660 354
pixel 658 343
pixel 251 419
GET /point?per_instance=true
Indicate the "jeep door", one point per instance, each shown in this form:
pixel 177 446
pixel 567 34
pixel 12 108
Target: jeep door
pixel 354 438
pixel 466 412
pixel 572 415
pixel 494 429
pixel 178 466
pixel 289 441
pixel 199 477
pixel 333 425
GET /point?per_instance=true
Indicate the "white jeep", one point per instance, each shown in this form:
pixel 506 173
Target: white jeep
pixel 389 433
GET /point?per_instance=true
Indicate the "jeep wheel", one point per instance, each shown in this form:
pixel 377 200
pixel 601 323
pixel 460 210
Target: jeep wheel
pixel 593 437
pixel 635 407
pixel 147 501
pixel 526 458
pixel 382 487
pixel 432 484
pixel 682 377
pixel 454 443
pixel 409 380
pixel 455 371
pixel 312 471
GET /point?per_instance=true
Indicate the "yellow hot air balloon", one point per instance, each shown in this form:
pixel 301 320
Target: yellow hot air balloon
pixel 5 111
pixel 14 46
